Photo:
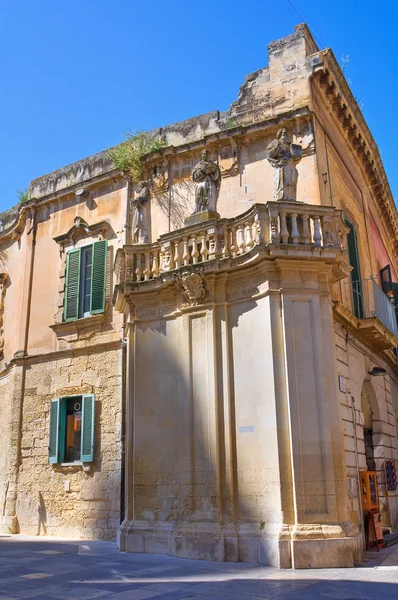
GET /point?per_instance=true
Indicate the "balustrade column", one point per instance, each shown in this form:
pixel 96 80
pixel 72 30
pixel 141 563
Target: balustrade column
pixel 317 231
pixel 295 232
pixel 195 251
pixel 240 239
pixel 186 255
pixel 234 246
pixel 147 270
pixel 248 236
pixel 306 230
pixel 177 257
pixel 204 251
pixel 138 270
pixel 161 261
pixel 284 229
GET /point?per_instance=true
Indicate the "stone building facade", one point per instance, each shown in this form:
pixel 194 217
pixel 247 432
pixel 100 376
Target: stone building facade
pixel 204 363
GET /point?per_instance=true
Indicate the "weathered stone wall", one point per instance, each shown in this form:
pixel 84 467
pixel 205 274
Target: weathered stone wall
pixel 69 500
pixel 353 363
pixel 231 402
pixel 6 383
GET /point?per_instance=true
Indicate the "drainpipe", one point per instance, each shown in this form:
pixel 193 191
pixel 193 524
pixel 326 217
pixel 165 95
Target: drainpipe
pixel 354 419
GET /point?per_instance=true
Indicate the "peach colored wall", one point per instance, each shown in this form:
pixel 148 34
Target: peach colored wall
pixel 16 266
pixel 103 204
pixel 380 252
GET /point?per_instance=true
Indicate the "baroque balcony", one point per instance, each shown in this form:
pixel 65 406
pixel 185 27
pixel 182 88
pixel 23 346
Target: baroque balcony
pixel 284 228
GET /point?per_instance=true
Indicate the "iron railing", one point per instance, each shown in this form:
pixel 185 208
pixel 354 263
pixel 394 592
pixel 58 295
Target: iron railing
pixel 369 300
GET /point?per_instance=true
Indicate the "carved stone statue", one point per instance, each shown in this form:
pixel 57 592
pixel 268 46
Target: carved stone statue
pixel 284 156
pixel 140 210
pixel 206 175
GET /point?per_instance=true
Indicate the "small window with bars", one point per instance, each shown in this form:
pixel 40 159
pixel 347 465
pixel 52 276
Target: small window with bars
pixel 71 430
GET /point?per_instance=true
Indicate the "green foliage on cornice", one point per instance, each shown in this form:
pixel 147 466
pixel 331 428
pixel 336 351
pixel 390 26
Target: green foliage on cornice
pixel 23 194
pixel 127 157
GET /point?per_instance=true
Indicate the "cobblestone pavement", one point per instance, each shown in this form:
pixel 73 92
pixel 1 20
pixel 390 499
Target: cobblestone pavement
pixel 53 569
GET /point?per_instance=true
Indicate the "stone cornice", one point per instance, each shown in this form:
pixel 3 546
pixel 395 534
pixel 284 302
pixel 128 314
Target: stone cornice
pixel 339 97
pixel 60 354
pixel 16 229
pixel 26 209
pixel 241 132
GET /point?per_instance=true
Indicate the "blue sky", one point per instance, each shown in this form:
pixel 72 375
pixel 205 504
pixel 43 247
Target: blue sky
pixel 75 74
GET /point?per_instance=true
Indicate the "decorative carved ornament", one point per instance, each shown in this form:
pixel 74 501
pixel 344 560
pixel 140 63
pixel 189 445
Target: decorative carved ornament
pixel 3 284
pixel 80 230
pixel 228 160
pixel 160 177
pixel 193 287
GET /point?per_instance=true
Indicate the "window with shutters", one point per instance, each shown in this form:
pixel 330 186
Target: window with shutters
pixel 71 430
pixel 353 260
pixel 85 280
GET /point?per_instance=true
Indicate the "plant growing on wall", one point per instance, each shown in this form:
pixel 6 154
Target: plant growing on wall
pixel 23 195
pixel 127 157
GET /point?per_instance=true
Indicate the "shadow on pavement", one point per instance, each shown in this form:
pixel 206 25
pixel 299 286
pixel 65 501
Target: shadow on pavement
pixel 44 569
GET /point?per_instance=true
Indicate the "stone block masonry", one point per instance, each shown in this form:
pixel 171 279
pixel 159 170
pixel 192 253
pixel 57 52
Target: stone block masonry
pixel 71 499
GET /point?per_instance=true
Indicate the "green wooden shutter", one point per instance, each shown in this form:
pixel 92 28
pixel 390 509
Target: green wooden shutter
pixel 53 438
pixel 353 259
pixel 87 447
pixel 72 285
pixel 98 277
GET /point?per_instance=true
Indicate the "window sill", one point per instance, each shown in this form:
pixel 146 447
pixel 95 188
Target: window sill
pixel 73 466
pixel 74 326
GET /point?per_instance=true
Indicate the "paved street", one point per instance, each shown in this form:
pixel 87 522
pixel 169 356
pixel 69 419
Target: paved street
pixel 53 569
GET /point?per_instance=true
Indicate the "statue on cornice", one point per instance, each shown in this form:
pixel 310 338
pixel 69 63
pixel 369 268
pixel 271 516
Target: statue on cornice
pixel 140 209
pixel 206 175
pixel 284 156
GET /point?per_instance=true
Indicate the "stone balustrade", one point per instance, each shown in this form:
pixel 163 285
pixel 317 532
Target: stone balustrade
pixel 299 223
pixel 274 223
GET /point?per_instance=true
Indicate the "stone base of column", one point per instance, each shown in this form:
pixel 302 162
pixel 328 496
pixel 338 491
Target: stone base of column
pixel 9 525
pixel 201 217
pixel 276 545
pixel 325 546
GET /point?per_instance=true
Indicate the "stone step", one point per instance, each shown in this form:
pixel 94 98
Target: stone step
pixel 390 539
